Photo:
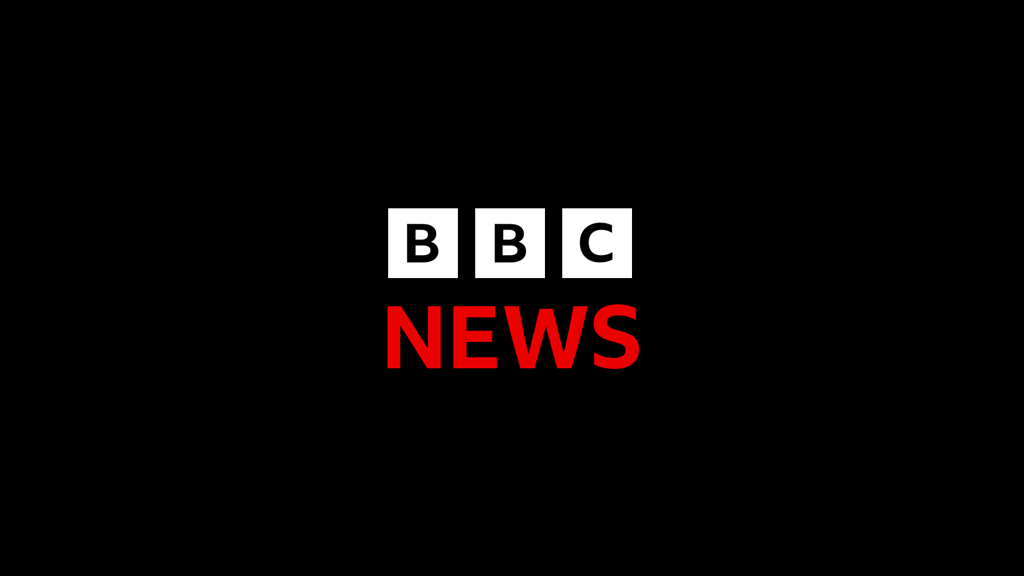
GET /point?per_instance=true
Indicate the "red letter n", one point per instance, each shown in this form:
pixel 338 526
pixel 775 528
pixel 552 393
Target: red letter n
pixel 398 322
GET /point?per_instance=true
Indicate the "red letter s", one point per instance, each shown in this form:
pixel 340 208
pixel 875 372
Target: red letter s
pixel 626 340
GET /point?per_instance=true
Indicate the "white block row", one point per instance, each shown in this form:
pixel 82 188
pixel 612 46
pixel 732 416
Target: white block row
pixel 510 243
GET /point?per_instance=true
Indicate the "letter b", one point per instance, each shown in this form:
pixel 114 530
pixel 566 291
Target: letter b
pixel 500 243
pixel 428 242
pixel 422 243
pixel 521 256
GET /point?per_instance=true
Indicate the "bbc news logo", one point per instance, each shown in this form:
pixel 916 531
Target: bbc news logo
pixel 510 243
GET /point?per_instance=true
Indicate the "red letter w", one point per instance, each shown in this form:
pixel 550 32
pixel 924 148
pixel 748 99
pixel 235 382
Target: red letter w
pixel 546 323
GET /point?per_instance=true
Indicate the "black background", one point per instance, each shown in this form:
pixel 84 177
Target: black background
pixel 706 366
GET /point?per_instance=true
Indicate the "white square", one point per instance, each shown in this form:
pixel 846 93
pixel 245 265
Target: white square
pixel 618 242
pixel 445 224
pixel 531 222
